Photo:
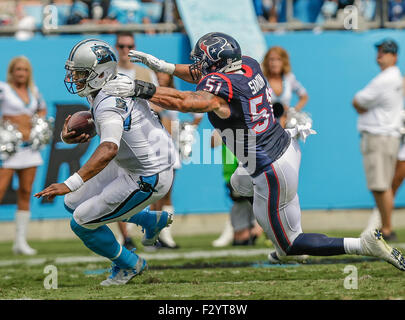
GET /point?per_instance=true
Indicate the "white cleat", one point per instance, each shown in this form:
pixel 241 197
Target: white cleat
pixel 166 239
pixel 24 249
pixel 123 276
pixel 225 238
pixel 274 258
pixel 373 244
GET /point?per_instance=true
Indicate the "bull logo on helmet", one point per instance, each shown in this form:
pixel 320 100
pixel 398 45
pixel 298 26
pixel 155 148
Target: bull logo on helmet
pixel 213 47
pixel 103 54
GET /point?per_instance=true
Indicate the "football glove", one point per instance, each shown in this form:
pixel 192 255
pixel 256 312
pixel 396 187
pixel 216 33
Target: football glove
pixel 152 62
pixel 126 87
pixel 121 86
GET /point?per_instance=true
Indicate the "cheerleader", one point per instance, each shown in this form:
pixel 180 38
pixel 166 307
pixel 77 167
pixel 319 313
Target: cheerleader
pixel 20 100
pixel 277 69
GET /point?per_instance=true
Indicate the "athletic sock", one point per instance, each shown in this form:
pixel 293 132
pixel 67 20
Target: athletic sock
pixel 102 241
pixel 352 245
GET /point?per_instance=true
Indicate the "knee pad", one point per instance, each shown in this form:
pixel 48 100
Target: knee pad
pixel 242 183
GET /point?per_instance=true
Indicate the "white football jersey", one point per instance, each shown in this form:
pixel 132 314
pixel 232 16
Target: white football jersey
pixel 11 104
pixel 145 146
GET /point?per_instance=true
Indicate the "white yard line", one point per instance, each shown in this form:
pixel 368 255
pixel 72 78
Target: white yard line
pixel 148 256
pixel 159 255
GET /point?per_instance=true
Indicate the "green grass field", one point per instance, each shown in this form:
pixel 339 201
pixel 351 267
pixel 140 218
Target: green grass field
pixel 197 271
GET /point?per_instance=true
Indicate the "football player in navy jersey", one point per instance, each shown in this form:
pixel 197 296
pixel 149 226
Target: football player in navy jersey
pixel 232 89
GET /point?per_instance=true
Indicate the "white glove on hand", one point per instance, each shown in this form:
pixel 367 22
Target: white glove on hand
pixel 152 62
pixel 121 86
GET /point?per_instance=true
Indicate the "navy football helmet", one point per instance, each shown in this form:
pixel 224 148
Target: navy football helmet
pixel 215 52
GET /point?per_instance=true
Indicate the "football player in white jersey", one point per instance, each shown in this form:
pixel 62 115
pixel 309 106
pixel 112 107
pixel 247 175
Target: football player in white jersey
pixel 130 169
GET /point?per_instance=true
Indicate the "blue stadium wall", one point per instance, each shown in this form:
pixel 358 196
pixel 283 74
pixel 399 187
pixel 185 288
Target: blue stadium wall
pixel 331 65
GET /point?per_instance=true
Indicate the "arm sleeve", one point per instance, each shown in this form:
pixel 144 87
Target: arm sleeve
pixel 111 127
pixel 110 115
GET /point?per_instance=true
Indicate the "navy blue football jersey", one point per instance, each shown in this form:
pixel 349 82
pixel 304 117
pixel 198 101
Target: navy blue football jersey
pixel 251 132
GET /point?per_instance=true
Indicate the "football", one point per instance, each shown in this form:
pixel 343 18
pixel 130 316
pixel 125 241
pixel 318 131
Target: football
pixel 82 122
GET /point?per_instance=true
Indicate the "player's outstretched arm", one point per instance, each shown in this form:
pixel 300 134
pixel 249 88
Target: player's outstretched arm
pixel 169 98
pixel 101 157
pixel 188 101
pixel 181 71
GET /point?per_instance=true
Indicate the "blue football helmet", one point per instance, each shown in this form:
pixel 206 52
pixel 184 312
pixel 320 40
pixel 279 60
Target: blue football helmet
pixel 215 52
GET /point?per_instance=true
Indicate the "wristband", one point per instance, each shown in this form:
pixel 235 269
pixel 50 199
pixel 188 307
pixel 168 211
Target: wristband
pixel 168 67
pixel 74 182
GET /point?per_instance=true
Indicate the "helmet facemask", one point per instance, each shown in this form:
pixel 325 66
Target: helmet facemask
pixel 77 80
pixel 195 68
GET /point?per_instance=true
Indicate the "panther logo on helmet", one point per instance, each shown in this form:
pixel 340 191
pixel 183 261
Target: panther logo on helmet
pixel 103 54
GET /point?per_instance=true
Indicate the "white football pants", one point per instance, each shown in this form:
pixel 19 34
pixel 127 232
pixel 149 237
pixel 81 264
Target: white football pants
pixel 275 200
pixel 114 194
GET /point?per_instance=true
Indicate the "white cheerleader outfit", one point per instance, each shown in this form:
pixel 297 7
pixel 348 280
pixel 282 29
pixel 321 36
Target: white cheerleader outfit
pixel 12 105
pixel 290 85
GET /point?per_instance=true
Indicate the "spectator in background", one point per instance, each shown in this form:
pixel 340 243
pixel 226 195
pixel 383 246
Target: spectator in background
pixel 344 3
pixel 277 70
pixel 367 9
pixel 396 10
pixel 20 100
pixel 379 106
pixel 130 11
pixel 124 42
pixel 266 10
pixel 330 9
pixel 109 12
pixel 8 13
pixel 95 11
